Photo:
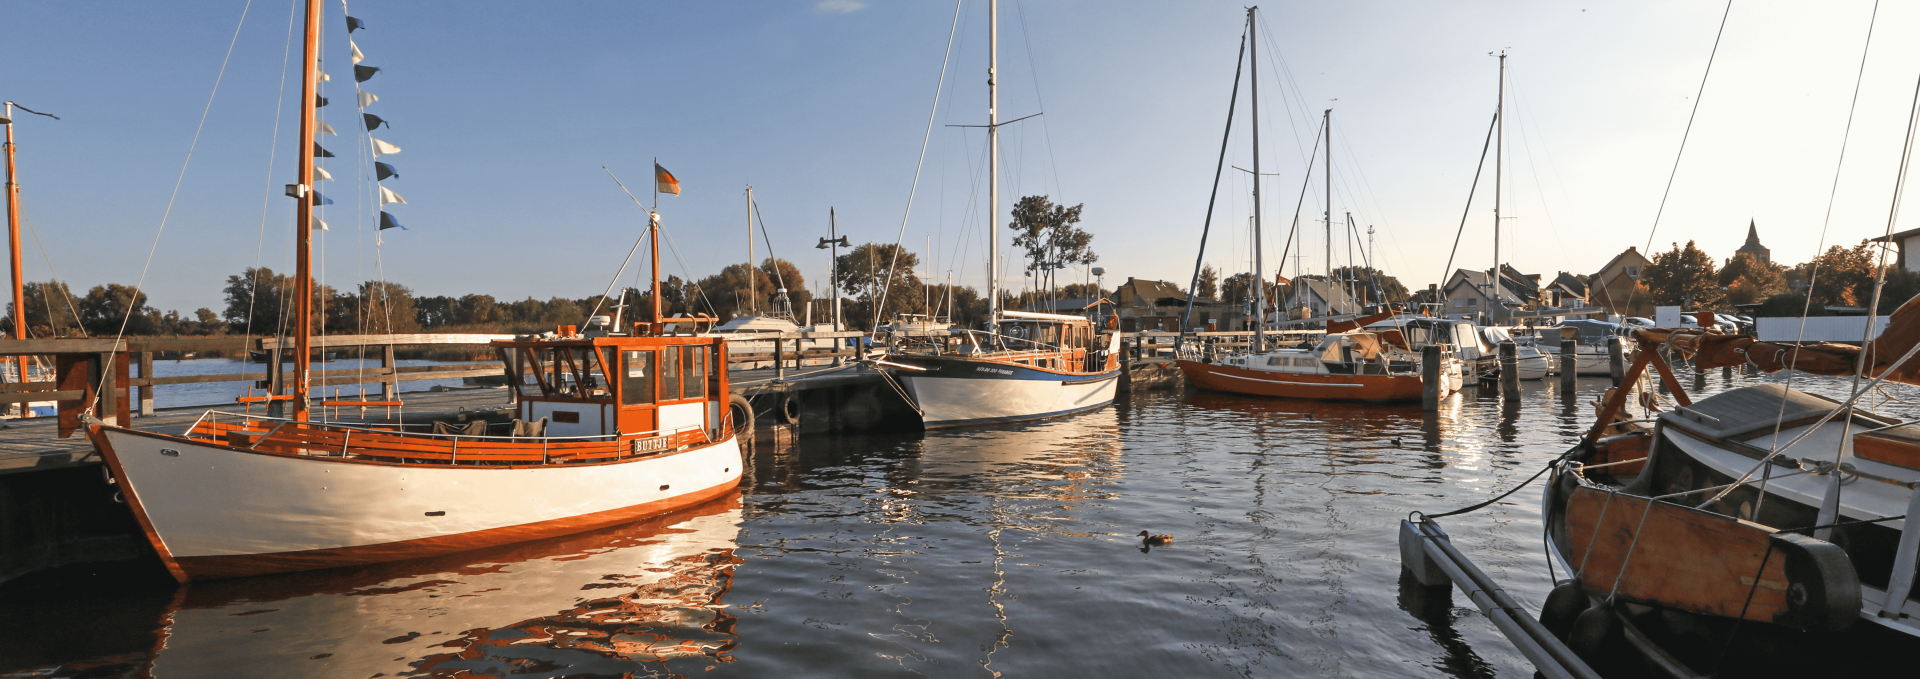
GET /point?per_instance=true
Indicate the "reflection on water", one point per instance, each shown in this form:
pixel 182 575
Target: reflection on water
pixel 1008 551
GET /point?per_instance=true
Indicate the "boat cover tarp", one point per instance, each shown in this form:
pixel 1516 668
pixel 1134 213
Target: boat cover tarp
pixel 1715 350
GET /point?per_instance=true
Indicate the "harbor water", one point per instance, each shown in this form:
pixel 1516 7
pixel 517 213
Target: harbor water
pixel 1006 551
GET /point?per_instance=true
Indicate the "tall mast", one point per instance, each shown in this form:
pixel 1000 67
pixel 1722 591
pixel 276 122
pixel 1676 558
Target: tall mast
pixel 303 217
pixel 13 245
pixel 993 162
pixel 753 303
pixel 1328 121
pixel 1499 152
pixel 1259 266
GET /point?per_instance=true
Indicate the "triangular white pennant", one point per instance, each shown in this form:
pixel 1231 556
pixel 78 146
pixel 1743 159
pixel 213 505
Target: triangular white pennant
pixel 319 225
pixel 321 173
pixel 357 56
pixel 381 148
pixel 321 127
pixel 366 98
pixel 322 76
pixel 388 196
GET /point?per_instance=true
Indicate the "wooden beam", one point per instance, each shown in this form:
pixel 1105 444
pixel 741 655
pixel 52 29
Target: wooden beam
pixel 36 396
pixel 61 346
pixel 398 339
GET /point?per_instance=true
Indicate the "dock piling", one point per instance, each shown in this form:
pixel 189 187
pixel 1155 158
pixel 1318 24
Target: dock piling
pixel 1616 359
pixel 1430 377
pixel 1569 364
pixel 1509 370
pixel 145 396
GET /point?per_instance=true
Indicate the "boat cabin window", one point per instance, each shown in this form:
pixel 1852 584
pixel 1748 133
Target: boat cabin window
pixel 573 372
pixel 1303 362
pixel 636 383
pixel 695 371
pixel 670 374
pixel 1276 360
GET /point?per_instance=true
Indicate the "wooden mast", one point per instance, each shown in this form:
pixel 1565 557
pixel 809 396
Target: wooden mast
pixel 1499 150
pixel 303 216
pixel 13 245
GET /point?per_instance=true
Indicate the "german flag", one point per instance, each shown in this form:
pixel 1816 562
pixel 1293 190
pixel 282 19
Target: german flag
pixel 664 181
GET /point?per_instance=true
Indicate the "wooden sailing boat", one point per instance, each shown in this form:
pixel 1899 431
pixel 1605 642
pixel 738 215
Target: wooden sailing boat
pixel 1033 365
pixel 614 427
pixel 1349 364
pixel 1764 505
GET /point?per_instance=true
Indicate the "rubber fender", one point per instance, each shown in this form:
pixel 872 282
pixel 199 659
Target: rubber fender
pixel 741 411
pixel 1565 603
pixel 789 409
pixel 1593 631
pixel 1823 591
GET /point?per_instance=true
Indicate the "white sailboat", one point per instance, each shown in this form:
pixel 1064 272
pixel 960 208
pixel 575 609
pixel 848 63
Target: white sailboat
pixel 1029 365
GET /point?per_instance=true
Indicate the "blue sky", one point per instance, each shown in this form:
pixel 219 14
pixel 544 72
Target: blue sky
pixel 507 111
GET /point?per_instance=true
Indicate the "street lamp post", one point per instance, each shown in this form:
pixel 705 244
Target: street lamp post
pixel 832 245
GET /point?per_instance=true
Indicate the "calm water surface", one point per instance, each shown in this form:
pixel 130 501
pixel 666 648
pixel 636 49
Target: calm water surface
pixel 977 553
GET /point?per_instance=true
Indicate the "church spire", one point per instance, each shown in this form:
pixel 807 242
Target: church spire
pixel 1753 235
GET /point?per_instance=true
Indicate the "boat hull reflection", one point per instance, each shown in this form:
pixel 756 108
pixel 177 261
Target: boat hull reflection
pixel 649 592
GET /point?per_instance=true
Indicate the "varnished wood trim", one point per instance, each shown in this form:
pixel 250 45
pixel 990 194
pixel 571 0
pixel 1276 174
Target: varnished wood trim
pixel 133 501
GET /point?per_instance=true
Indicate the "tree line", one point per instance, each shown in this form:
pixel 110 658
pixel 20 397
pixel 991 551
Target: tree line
pixel 876 281
pixel 1841 276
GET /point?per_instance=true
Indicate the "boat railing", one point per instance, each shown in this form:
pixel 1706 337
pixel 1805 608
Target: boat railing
pixel 430 435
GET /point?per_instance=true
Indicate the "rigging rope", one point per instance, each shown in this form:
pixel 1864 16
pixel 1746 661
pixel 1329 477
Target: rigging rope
pixel 1206 226
pixel 1471 190
pixel 107 372
pixel 932 112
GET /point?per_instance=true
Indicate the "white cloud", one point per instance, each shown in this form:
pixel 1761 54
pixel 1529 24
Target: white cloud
pixel 839 6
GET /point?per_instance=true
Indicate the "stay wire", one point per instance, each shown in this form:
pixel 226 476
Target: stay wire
pixel 932 114
pixel 1206 226
pixel 1675 172
pixel 1447 273
pixel 133 301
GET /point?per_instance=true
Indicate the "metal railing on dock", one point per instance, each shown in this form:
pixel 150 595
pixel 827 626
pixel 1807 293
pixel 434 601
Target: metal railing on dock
pixel 1428 555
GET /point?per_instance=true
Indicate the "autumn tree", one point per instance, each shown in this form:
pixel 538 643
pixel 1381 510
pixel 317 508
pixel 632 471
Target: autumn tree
pixel 1365 278
pixel 1209 282
pixel 50 311
pixel 1750 281
pixel 872 272
pixel 1683 275
pixel 1046 231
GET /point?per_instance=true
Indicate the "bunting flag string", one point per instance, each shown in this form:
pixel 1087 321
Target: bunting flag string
pixel 319 225
pixel 319 101
pixel 321 127
pixel 319 152
pixel 321 200
pixel 320 173
pixel 380 147
pixel 323 77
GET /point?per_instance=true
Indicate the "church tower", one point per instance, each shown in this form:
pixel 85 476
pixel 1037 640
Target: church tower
pixel 1753 247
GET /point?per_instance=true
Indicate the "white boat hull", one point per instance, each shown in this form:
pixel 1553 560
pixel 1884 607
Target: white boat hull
pixel 960 392
pixel 218 511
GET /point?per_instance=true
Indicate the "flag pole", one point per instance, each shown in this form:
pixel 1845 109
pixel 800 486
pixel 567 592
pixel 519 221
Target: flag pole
pixel 653 243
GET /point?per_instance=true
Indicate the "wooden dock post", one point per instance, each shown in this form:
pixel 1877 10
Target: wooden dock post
pixel 1509 370
pixel 1616 359
pixel 779 369
pixel 1569 364
pixel 146 392
pixel 391 384
pixel 109 392
pixel 1726 372
pixel 275 381
pixel 1430 367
